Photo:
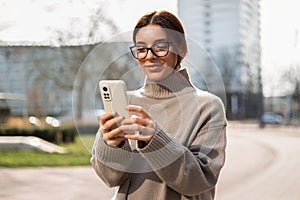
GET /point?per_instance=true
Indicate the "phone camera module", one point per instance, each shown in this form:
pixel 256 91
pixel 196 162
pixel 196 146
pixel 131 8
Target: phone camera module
pixel 105 89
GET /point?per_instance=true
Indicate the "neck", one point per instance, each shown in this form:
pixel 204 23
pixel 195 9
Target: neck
pixel 172 85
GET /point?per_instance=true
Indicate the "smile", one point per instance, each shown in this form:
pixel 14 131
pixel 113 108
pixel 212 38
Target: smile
pixel 156 67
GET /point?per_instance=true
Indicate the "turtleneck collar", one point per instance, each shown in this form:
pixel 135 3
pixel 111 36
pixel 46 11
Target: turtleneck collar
pixel 174 84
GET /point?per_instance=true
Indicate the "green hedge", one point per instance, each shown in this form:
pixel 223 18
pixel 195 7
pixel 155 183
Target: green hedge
pixel 54 135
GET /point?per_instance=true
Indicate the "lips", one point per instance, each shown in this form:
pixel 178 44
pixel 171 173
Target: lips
pixel 154 67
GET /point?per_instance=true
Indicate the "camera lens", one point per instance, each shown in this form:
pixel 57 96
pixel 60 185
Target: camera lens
pixel 105 89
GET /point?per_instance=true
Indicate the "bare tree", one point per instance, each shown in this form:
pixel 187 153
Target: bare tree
pixel 241 74
pixel 290 79
pixel 61 64
pixel 228 63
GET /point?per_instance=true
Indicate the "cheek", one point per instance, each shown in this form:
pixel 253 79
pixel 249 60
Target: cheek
pixel 171 60
pixel 141 63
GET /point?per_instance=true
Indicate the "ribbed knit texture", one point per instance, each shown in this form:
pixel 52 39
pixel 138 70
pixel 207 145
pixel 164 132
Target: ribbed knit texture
pixel 117 158
pixel 184 157
pixel 169 86
pixel 162 151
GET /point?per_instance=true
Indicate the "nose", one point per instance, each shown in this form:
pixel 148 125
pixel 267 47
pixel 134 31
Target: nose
pixel 150 54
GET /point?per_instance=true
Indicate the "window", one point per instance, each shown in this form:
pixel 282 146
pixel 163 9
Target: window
pixel 207 41
pixel 207 32
pixel 207 23
pixel 207 14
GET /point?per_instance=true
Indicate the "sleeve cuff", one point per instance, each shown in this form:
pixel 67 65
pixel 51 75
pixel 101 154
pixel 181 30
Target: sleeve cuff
pixel 162 150
pixel 114 157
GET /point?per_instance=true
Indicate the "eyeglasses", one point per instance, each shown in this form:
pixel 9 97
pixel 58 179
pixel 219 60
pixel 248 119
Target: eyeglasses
pixel 159 49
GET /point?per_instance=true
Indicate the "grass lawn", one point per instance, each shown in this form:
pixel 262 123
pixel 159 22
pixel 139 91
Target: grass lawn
pixel 78 154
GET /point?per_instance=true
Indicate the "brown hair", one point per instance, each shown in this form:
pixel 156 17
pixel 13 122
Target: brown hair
pixel 173 28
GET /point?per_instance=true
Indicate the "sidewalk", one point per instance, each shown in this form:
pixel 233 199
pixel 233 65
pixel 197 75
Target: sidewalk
pixel 47 183
pixel 77 183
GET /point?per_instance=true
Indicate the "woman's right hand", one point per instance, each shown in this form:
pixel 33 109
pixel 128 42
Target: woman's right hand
pixel 109 127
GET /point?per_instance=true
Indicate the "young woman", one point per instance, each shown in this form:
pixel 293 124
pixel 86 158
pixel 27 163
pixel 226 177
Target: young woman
pixel 180 131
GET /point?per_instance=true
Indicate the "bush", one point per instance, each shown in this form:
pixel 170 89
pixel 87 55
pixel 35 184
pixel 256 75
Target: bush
pixel 4 114
pixel 54 135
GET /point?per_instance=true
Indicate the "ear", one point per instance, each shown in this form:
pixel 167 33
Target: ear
pixel 178 63
pixel 182 50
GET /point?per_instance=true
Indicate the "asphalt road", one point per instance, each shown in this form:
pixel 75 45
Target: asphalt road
pixel 261 164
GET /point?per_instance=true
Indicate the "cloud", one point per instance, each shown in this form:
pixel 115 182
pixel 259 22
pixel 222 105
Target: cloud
pixel 40 20
pixel 36 21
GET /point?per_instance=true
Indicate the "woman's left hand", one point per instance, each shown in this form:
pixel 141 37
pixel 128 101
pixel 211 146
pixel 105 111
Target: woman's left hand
pixel 140 122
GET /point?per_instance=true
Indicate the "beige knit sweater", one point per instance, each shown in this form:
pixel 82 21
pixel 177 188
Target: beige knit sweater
pixel 184 158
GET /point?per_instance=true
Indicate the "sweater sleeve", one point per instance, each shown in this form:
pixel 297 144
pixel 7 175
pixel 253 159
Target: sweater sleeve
pixel 111 163
pixel 195 169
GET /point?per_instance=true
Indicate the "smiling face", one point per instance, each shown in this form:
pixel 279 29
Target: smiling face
pixel 155 68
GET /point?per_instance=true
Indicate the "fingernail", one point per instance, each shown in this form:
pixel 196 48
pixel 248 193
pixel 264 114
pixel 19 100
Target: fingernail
pixel 115 113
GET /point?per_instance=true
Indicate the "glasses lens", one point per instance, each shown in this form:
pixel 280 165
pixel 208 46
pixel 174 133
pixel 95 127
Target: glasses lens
pixel 139 52
pixel 161 49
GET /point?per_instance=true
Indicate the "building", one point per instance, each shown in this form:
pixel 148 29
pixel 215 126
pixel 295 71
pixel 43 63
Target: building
pixel 224 58
pixel 27 80
pixel 229 32
pixel 47 80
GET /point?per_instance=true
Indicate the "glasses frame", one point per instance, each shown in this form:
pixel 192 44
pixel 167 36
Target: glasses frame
pixel 151 49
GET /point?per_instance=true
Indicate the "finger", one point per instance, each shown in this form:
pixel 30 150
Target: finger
pixel 133 109
pixel 130 129
pixel 142 130
pixel 144 134
pixel 113 123
pixel 134 124
pixel 103 130
pixel 145 138
pixel 115 142
pixel 103 119
pixel 146 131
pixel 127 121
pixel 112 135
pixel 143 121
pixel 135 120
pixel 106 116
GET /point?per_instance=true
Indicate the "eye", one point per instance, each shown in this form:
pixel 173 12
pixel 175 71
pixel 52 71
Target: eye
pixel 141 49
pixel 162 46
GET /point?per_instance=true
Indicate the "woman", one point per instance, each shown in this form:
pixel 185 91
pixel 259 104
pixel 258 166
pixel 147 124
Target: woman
pixel 180 131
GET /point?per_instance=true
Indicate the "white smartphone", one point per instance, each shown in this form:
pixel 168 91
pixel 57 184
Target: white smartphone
pixel 114 96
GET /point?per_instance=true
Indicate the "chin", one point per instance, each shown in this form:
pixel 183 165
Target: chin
pixel 156 76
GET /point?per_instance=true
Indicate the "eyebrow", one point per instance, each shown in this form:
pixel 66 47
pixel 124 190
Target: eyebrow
pixel 155 41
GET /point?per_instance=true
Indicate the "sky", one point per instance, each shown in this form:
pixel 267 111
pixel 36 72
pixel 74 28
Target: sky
pixel 35 20
pixel 132 10
pixel 280 43
pixel 280 26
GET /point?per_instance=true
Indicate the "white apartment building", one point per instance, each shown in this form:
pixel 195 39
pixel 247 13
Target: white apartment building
pixel 226 30
pixel 229 31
